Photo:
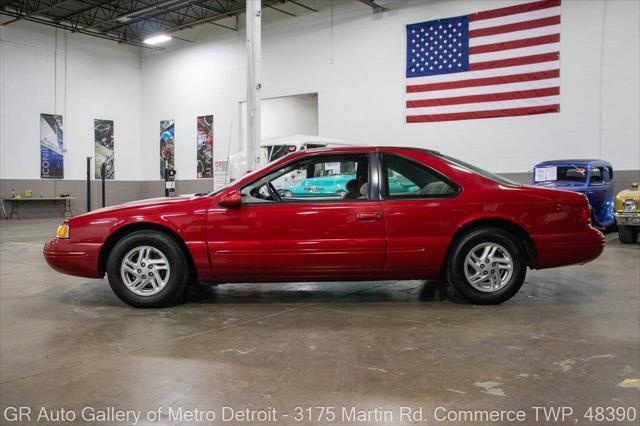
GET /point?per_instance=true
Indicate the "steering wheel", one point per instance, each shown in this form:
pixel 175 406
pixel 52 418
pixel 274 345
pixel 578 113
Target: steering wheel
pixel 274 193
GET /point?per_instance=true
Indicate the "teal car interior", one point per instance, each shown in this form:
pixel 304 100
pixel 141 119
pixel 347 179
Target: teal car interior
pixel 335 185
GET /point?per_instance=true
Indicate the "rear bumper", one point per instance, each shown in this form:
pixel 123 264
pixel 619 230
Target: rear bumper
pixel 568 249
pixel 73 258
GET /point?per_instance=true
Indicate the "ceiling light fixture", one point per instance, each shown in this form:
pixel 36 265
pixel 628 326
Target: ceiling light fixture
pixel 157 39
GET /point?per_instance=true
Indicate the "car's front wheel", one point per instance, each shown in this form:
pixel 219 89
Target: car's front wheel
pixel 487 266
pixel 627 234
pixel 147 269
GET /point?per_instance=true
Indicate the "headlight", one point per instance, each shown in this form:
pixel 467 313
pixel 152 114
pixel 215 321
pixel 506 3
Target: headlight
pixel 629 206
pixel 63 231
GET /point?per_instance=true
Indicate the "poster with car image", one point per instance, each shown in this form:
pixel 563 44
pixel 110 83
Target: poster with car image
pixel 103 139
pixel 205 146
pixel 51 147
pixel 167 147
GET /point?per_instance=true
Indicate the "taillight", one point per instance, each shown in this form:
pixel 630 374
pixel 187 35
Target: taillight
pixel 585 214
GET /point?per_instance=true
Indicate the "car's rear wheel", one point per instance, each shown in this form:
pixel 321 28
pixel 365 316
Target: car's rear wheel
pixel 487 266
pixel 627 234
pixel 147 269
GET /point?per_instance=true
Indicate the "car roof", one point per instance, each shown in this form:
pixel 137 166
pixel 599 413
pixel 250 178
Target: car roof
pixel 366 149
pixel 591 162
pixel 299 140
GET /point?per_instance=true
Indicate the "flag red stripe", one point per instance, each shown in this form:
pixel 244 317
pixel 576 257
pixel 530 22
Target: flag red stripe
pixel 515 44
pixel 517 26
pixel 512 62
pixel 513 10
pixel 486 81
pixel 490 97
pixel 512 112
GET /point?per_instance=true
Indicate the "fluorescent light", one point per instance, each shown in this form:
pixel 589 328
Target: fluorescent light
pixel 161 38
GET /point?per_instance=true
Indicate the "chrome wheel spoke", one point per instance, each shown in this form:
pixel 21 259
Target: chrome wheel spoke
pixel 129 266
pixel 473 265
pixel 153 282
pixel 485 253
pixel 475 278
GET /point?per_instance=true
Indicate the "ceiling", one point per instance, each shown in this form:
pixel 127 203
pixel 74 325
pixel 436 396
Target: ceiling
pixel 132 21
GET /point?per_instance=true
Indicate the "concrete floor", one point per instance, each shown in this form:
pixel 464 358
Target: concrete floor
pixel 569 338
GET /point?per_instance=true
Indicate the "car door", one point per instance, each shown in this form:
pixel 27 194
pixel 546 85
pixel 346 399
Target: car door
pixel 305 232
pixel 418 208
pixel 600 194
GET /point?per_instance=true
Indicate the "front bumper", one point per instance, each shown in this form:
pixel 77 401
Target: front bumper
pixel 79 259
pixel 568 249
pixel 628 219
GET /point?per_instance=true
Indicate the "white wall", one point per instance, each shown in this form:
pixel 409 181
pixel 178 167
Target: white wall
pixel 180 85
pixel 357 67
pixel 284 116
pixel 78 77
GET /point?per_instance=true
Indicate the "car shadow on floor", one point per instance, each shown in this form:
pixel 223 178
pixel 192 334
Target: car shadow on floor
pixel 361 292
pixel 90 295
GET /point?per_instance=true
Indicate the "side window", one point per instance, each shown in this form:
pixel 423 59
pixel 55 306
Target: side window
pixel 606 174
pixel 596 176
pixel 404 178
pixel 325 178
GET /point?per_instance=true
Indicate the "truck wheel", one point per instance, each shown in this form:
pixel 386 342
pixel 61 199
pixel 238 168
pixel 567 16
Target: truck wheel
pixel 487 266
pixel 147 269
pixel 627 234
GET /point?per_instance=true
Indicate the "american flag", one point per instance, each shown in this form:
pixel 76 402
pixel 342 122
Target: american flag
pixel 498 63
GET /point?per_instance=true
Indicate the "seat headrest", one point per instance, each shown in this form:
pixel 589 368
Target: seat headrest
pixel 364 189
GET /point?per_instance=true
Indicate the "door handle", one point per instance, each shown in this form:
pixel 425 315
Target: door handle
pixel 369 216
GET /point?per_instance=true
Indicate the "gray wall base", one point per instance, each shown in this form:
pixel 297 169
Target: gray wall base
pixel 117 192
pixel 120 191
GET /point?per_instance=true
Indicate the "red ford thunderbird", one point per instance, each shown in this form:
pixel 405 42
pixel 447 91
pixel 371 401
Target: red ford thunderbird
pixel 331 215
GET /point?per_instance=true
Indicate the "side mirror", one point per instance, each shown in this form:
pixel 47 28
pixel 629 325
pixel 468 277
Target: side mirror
pixel 232 199
pixel 635 185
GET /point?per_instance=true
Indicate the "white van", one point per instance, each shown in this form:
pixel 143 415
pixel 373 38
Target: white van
pixel 272 149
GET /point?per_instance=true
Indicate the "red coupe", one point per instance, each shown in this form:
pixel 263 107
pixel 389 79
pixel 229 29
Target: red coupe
pixel 396 213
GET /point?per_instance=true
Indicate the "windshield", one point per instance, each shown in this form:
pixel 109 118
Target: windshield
pixel 222 188
pixel 560 173
pixel 484 173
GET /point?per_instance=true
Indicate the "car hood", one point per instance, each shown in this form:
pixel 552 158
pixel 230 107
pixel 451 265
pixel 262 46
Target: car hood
pixel 149 202
pixel 630 194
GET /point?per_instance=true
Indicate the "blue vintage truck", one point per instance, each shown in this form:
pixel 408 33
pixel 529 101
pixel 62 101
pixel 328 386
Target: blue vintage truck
pixel 593 178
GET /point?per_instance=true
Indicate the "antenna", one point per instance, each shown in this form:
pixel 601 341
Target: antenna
pixel 228 153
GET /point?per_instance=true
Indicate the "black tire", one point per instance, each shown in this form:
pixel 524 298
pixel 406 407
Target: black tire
pixel 179 275
pixel 627 234
pixel 456 266
pixel 611 228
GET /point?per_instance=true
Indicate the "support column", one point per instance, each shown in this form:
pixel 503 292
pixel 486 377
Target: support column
pixel 254 61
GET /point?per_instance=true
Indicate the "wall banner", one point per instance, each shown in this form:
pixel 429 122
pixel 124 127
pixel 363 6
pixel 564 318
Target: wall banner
pixel 51 147
pixel 103 137
pixel 167 147
pixel 205 146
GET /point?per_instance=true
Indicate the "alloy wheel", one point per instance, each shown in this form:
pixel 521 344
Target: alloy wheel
pixel 488 267
pixel 145 270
